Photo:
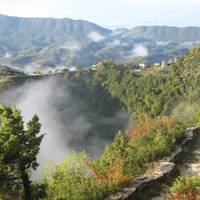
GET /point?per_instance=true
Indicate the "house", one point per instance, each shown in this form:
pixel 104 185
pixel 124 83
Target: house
pixel 164 64
pixel 142 65
pixel 94 67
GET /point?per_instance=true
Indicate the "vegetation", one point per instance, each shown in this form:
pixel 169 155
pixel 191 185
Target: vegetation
pixel 19 148
pixel 77 177
pixel 162 104
pixel 186 188
pixel 153 92
pixel 66 42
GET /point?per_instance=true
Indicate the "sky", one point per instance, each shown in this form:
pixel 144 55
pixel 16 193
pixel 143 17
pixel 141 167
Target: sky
pixel 110 13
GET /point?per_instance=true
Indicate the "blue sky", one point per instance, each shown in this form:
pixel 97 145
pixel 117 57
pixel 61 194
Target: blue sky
pixel 110 13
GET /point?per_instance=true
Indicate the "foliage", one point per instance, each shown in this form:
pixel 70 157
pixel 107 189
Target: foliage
pixel 187 113
pixel 186 188
pixel 80 178
pixel 198 117
pixel 190 195
pixel 38 190
pixel 182 184
pixel 72 180
pixel 153 92
pixel 165 103
pixel 19 148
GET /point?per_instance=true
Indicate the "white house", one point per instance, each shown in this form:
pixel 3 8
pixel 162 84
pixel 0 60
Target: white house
pixel 164 64
pixel 142 65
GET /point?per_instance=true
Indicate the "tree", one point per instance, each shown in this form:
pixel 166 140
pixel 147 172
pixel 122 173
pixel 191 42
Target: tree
pixel 18 149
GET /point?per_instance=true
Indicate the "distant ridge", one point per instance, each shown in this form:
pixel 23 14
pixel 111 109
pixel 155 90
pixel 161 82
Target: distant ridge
pixel 40 32
pixel 37 43
pixel 166 33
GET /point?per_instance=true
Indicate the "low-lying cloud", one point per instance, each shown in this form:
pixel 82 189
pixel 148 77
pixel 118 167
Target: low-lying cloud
pixel 65 119
pixel 139 51
pixel 95 36
pixel 51 102
pixel 74 46
pixel 162 43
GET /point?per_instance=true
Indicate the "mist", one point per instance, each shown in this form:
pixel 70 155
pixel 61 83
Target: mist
pixel 95 36
pixel 140 51
pixel 65 119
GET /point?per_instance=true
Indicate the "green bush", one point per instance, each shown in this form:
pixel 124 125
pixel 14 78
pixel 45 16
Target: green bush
pixel 71 180
pixel 185 183
pixel 79 178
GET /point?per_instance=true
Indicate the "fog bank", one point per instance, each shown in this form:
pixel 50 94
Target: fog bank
pixel 66 120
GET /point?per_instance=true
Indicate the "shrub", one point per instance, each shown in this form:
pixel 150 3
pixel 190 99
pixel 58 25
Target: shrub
pixel 185 188
pixel 141 128
pixel 186 112
pixel 71 179
pixel 190 195
pixel 185 183
pixel 79 178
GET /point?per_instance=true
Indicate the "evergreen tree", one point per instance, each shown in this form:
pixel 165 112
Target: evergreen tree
pixel 18 150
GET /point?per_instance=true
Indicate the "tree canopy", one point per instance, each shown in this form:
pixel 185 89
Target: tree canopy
pixel 18 151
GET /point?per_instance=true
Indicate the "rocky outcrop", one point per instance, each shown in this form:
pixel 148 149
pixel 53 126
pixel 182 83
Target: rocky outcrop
pixel 163 171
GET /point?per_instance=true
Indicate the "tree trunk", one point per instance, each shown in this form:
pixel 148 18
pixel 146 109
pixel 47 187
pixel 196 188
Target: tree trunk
pixel 26 185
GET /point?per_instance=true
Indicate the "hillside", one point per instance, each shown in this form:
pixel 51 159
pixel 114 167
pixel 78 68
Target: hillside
pixel 8 71
pixel 87 117
pixel 165 33
pixel 31 33
pixel 86 109
pixel 163 103
pixel 7 76
pixel 45 43
pixel 153 91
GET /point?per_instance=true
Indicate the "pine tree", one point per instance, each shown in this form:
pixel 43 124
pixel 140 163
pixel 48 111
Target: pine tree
pixel 18 149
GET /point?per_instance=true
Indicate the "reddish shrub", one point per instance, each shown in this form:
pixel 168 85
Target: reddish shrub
pixel 190 195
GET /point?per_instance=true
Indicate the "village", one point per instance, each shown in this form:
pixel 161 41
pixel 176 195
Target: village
pixel 136 67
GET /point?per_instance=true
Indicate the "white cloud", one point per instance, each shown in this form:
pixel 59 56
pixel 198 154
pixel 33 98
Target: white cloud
pixel 95 37
pixel 161 43
pixel 116 43
pixel 74 46
pixel 139 51
pixel 7 55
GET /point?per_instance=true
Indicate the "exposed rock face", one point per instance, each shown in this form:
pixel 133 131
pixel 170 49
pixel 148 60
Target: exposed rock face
pixel 165 169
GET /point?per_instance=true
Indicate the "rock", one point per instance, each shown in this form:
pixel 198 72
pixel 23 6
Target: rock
pixel 166 167
pixel 174 154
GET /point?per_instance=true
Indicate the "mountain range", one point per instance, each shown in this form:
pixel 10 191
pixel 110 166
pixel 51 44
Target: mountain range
pixel 45 43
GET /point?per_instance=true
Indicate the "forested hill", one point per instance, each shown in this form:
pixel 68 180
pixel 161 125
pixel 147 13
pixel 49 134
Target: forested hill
pixel 46 43
pixel 153 90
pixel 165 33
pixel 164 102
pixel 8 71
pixel 41 32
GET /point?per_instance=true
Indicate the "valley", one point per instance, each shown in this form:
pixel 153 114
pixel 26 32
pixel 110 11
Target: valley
pixel 81 112
pixel 90 113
